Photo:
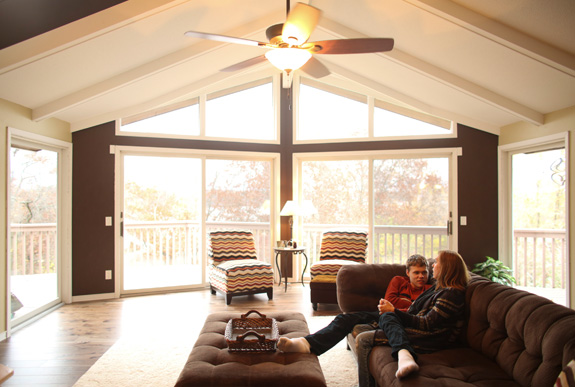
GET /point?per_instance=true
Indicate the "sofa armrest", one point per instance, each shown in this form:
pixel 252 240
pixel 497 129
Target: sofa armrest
pixel 360 287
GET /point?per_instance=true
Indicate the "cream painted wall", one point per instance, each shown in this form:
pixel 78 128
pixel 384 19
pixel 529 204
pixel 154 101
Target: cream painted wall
pixel 556 122
pixel 18 117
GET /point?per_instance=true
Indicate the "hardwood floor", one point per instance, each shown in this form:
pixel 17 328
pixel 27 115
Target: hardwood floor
pixel 60 347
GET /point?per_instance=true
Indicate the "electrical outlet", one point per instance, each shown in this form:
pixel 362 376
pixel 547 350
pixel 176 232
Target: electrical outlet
pixel 108 274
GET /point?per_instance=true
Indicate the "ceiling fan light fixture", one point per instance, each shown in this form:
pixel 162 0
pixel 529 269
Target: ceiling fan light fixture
pixel 300 23
pixel 288 59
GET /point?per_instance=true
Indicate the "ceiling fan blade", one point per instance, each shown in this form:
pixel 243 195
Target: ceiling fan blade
pixel 245 64
pixel 225 38
pixel 300 23
pixel 352 46
pixel 315 68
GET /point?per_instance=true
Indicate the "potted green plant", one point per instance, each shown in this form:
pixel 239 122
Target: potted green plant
pixel 495 270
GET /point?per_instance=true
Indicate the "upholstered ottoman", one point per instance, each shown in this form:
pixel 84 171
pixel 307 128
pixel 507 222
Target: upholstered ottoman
pixel 323 290
pixel 211 364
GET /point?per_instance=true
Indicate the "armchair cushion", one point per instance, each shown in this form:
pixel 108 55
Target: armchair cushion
pixel 231 245
pixel 346 245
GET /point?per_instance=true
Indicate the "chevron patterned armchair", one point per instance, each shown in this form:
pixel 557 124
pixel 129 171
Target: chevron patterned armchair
pixel 234 269
pixel 338 248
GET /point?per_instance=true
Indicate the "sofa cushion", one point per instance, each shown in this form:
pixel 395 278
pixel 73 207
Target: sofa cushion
pixel 450 367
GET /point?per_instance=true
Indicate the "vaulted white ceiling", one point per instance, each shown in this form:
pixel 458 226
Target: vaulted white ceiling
pixel 485 63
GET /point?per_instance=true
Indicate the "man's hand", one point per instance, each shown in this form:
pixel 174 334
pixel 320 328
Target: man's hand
pixel 385 306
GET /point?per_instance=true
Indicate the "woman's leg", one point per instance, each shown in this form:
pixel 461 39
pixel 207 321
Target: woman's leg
pixel 399 342
pixel 363 346
pixel 326 338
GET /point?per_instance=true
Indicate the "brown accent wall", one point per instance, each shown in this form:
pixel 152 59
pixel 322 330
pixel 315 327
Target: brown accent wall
pixel 93 189
pixel 477 195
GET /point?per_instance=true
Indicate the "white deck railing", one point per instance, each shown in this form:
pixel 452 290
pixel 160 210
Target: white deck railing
pixel 33 248
pixel 542 258
pixel 540 254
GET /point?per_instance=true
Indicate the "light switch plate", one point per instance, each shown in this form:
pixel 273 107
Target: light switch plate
pixel 108 274
pixel 108 220
pixel 463 220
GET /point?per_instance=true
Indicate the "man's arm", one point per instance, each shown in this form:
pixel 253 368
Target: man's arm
pixel 394 293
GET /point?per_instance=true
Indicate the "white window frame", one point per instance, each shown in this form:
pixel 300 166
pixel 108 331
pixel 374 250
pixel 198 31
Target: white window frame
pixel 120 151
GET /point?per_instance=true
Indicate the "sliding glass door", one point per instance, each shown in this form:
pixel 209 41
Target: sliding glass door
pixel 38 225
pixel 539 185
pixel 411 207
pixel 161 222
pixel 238 197
pixel 170 200
pixel 404 202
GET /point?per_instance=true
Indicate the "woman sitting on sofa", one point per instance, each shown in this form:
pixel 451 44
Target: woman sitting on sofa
pixel 431 323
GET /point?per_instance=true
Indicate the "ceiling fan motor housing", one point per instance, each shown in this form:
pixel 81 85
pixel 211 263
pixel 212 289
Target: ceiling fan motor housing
pixel 274 34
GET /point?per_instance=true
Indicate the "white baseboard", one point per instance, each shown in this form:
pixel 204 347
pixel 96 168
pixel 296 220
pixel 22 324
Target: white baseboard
pixel 94 297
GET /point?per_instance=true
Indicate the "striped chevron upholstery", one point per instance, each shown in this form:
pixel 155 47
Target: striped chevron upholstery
pixel 348 245
pixel 339 248
pixel 241 275
pixel 234 269
pixel 229 245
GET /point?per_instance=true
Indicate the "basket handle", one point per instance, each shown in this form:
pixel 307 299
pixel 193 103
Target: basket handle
pixel 261 338
pixel 253 311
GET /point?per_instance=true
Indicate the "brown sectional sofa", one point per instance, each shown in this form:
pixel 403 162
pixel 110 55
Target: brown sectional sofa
pixel 511 338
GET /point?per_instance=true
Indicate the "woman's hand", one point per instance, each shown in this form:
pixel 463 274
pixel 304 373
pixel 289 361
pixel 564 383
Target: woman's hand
pixel 385 306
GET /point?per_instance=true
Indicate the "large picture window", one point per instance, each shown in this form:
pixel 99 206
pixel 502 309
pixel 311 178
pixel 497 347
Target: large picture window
pixel 403 199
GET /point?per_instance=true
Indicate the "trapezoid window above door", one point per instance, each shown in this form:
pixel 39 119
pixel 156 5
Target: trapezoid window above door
pixel 245 112
pixel 327 113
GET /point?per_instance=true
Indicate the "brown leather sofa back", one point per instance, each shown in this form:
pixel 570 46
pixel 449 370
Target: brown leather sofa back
pixel 361 288
pixel 529 337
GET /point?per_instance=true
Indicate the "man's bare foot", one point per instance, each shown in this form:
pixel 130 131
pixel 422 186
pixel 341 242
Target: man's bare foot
pixel 405 364
pixel 299 344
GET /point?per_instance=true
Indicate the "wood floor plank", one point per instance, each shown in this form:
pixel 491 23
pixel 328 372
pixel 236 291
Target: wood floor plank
pixel 60 347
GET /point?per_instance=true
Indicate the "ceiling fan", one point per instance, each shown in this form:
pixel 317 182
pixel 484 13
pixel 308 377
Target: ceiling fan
pixel 289 48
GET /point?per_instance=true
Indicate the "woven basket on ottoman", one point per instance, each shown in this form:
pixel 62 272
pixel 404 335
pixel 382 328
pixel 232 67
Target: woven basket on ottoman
pixel 235 269
pixel 212 364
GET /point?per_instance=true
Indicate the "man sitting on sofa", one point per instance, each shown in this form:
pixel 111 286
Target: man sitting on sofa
pixel 402 291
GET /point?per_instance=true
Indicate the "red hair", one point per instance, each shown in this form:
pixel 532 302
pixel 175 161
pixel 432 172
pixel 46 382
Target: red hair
pixel 453 271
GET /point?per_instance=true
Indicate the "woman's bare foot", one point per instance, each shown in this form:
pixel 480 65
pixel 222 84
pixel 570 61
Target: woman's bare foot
pixel 299 344
pixel 405 364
